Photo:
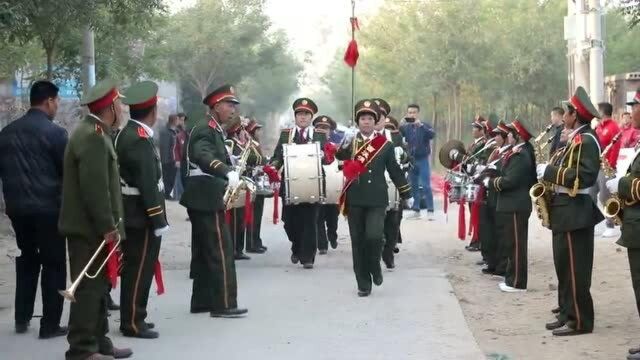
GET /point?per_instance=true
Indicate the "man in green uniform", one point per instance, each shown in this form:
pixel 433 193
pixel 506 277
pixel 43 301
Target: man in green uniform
pixel 513 206
pixel 393 125
pixel 143 198
pixel 364 196
pixel 92 213
pixel 573 215
pixel 329 213
pixel 301 220
pixel 210 172
pixel 628 189
pixel 254 240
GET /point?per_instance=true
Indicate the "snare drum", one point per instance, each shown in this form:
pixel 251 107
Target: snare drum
pixel 456 193
pixel 303 173
pixel 334 180
pixel 263 185
pixel 471 192
pixel 392 192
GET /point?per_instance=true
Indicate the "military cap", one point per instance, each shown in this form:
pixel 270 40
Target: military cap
pixel 141 95
pixel 367 106
pixel 223 93
pixel 305 104
pixel 252 126
pixel 383 105
pixel 234 125
pixel 101 95
pixel 391 123
pixel 582 104
pixel 636 99
pixel 445 150
pixel 522 128
pixel 324 120
pixel 479 122
pixel 501 127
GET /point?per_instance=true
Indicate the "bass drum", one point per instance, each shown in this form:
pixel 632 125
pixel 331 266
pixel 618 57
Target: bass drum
pixel 302 174
pixel 334 181
pixel 394 196
pixel 240 201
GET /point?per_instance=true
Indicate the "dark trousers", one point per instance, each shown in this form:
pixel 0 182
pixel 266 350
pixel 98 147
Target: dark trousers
pixel 214 269
pixel 366 227
pixel 514 227
pixel 301 226
pixel 237 228
pixel 88 325
pixel 391 233
pixel 254 241
pixel 139 255
pixel 487 233
pixel 168 177
pixel 634 267
pixel 558 243
pixel 327 225
pixel 575 265
pixel 41 249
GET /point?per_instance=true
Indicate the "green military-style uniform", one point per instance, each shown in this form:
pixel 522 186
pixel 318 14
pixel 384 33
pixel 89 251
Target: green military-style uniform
pixel 572 175
pixel 301 220
pixel 365 197
pixel 328 213
pixel 91 208
pixel 209 165
pixel 143 199
pixel 254 240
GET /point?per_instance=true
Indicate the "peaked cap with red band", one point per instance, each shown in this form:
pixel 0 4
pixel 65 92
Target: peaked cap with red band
pixel 636 99
pixel 305 104
pixel 500 128
pixel 479 122
pixel 234 125
pixel 367 107
pixel 252 126
pixel 383 105
pixel 223 93
pixel 324 120
pixel 391 123
pixel 100 96
pixel 582 104
pixel 141 95
pixel 522 128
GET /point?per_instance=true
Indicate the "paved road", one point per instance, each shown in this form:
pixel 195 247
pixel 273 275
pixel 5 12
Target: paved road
pixel 294 313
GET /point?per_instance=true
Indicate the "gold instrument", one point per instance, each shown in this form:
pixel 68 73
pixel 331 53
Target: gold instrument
pixel 613 205
pixel 231 194
pixel 539 192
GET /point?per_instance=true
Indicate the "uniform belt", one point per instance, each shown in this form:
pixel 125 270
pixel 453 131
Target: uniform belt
pixel 564 190
pixel 128 190
pixel 198 172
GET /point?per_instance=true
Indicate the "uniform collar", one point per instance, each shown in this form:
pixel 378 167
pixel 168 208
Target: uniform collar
pixel 478 140
pixel 518 146
pixel 504 148
pixel 576 131
pixel 367 138
pixel 100 123
pixel 144 126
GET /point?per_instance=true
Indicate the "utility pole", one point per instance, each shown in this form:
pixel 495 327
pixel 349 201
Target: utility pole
pixel 88 58
pixel 596 51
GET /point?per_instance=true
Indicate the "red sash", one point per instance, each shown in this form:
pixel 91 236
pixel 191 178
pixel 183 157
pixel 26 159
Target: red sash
pixel 354 168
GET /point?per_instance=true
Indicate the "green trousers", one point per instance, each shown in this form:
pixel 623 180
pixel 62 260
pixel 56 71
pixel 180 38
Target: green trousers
pixel 514 232
pixel 139 255
pixel 487 234
pixel 88 325
pixel 634 267
pixel 575 265
pixel 391 233
pixel 557 244
pixel 214 269
pixel 366 226
pixel 238 228
pixel 254 241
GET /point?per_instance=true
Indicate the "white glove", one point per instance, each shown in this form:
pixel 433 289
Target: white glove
pixel 234 178
pixel 469 168
pixel 480 168
pixel 159 232
pixel 485 182
pixel 346 141
pixel 612 185
pixel 540 169
pixel 453 154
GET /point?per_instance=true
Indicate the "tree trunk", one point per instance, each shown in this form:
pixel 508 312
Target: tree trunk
pixel 49 51
pixel 434 143
pixel 449 119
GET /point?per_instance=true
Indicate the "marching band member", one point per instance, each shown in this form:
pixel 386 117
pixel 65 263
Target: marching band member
pixel 210 172
pixel 143 198
pixel 572 175
pixel 329 213
pixel 393 126
pixel 254 241
pixel 513 206
pixel 606 131
pixel 92 213
pixel 364 197
pixel 628 189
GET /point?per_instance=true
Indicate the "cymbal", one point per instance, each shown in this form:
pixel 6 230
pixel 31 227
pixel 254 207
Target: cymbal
pixel 443 154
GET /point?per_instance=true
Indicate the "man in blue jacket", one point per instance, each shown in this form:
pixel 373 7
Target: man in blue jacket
pixel 31 153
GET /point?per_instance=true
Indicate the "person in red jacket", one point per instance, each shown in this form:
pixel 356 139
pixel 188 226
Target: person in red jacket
pixel 606 130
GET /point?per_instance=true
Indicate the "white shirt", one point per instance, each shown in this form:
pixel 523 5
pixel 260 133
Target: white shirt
pixel 367 138
pixel 307 132
pixel 144 126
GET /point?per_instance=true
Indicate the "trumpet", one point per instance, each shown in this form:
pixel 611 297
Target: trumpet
pixel 231 194
pixel 613 205
pixel 539 191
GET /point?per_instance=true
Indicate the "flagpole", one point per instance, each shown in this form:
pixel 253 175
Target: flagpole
pixel 353 69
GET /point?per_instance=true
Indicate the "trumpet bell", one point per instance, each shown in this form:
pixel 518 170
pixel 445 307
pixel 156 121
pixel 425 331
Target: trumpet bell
pixel 537 191
pixel 67 294
pixel 612 208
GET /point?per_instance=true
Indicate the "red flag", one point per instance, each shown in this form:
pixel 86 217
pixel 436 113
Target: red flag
pixel 157 273
pixel 112 266
pixel 276 206
pixel 351 55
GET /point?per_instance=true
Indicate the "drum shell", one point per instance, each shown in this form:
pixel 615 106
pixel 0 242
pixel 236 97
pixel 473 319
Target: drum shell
pixel 471 192
pixel 334 181
pixel 392 193
pixel 456 193
pixel 303 178
pixel 241 200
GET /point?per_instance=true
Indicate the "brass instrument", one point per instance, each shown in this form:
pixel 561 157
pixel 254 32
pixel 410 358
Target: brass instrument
pixel 539 192
pixel 613 205
pixel 231 194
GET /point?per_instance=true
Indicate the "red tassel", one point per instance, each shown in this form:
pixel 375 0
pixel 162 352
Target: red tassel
pixel 276 206
pixel 113 266
pixel 445 192
pixel 157 274
pixel 352 169
pixel 354 24
pixel 272 173
pixel 351 55
pixel 248 210
pixel 461 221
pixel 227 217
pixel 329 152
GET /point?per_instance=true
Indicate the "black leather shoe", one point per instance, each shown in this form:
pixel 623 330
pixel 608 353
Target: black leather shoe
pixel 389 263
pixel 568 331
pixel 22 328
pixel 480 262
pixel 396 250
pixel 472 248
pixel 634 350
pixel 264 248
pixel 242 256
pixel 294 259
pixel 111 305
pixel 256 251
pixel 488 271
pixel 150 325
pixel 48 334
pixel 554 325
pixel 322 252
pixel 200 310
pixel 364 293
pixel 307 266
pixel 555 310
pixel 142 334
pixel 334 244
pixel 229 313
pixel 377 280
pixel 121 353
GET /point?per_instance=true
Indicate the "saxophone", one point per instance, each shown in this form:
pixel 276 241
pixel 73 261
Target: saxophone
pixel 231 194
pixel 539 192
pixel 613 205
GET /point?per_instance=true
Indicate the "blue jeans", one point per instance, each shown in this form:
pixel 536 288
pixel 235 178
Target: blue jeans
pixel 421 175
pixel 178 188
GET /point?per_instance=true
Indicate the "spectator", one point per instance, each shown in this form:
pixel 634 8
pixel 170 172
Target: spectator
pixel 625 120
pixel 31 156
pixel 167 145
pixel 606 130
pixel 418 135
pixel 178 152
pixel 630 135
pixel 556 120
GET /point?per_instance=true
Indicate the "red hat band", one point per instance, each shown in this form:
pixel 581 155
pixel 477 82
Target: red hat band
pixel 104 101
pixel 303 108
pixel 521 130
pixel 575 102
pixel 220 97
pixel 145 105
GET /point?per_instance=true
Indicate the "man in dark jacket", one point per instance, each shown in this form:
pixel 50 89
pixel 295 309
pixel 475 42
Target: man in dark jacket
pixel 167 149
pixel 31 153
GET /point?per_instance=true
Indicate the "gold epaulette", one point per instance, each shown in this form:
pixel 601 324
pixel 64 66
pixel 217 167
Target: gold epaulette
pixel 404 188
pixel 156 210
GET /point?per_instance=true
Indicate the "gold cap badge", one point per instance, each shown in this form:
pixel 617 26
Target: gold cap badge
pixel 367 103
pixel 304 102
